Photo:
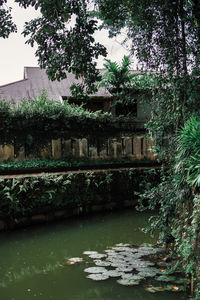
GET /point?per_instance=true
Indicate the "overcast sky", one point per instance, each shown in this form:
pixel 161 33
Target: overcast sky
pixel 15 55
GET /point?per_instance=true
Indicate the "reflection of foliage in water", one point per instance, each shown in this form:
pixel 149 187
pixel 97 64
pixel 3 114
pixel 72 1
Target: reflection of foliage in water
pixel 29 271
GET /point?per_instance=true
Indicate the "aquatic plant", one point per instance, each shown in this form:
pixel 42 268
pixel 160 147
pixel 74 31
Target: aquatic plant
pixel 74 260
pixel 95 270
pixel 128 282
pixel 131 265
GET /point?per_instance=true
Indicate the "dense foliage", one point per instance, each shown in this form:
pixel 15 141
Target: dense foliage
pixel 26 196
pixel 164 34
pixel 188 157
pixel 187 175
pixel 178 199
pixel 7 25
pixel 165 39
pixel 43 119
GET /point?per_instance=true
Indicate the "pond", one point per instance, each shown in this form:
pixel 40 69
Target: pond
pixel 33 259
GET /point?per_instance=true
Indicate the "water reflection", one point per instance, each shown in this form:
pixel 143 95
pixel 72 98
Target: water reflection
pixel 32 260
pixel 26 272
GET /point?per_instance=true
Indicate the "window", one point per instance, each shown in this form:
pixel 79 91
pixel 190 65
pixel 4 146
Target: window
pixel 94 104
pixel 125 109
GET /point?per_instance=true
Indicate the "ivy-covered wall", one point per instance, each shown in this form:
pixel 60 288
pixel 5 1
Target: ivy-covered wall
pixel 40 120
pixel 43 128
pixel 129 147
pixel 24 197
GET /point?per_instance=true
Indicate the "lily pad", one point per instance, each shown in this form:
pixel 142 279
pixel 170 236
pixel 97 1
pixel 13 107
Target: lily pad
pixel 110 251
pixel 127 253
pixel 131 276
pixel 144 253
pixel 142 264
pixel 154 289
pixel 102 263
pixel 117 265
pixel 146 248
pixel 148 270
pixel 138 255
pixel 116 261
pixel 90 252
pixel 121 248
pixel 114 273
pixel 95 270
pixel 132 259
pixel 128 282
pixel 74 260
pixel 99 276
pixel 166 278
pixel 147 273
pixel 124 269
pixel 97 255
pixel 122 245
pixel 116 256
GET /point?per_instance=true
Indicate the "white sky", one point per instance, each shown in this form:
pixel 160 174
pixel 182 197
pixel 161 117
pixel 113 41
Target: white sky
pixel 15 54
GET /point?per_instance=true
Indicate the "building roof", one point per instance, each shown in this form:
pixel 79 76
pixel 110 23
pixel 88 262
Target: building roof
pixel 35 80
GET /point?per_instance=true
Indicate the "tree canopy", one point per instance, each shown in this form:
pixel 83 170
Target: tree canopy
pixel 64 35
pixel 165 38
pixel 165 34
pixel 7 26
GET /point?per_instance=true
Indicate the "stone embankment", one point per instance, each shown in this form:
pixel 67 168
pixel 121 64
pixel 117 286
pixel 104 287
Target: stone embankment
pixel 45 197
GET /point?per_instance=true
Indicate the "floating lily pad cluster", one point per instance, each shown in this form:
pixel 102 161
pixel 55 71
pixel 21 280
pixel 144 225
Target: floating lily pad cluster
pixel 123 261
pixel 129 264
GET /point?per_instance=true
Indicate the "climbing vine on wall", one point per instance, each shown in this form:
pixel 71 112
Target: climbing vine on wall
pixel 34 123
pixel 22 197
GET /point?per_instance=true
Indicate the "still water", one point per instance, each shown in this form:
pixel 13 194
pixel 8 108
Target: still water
pixel 31 265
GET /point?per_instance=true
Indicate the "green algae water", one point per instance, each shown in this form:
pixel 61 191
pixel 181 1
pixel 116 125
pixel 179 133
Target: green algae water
pixel 32 264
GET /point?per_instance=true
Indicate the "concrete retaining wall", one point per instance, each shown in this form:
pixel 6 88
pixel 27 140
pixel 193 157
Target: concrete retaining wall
pixel 132 147
pixel 47 197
